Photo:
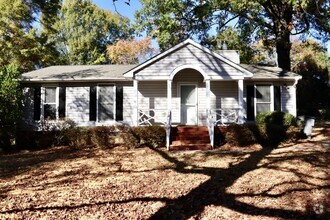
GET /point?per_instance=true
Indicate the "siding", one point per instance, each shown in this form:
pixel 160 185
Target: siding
pixel 77 104
pixel 128 101
pixel 190 55
pixel 288 99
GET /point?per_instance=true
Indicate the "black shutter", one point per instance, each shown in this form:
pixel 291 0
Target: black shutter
pixel 37 102
pixel 277 98
pixel 119 103
pixel 92 103
pixel 250 103
pixel 62 99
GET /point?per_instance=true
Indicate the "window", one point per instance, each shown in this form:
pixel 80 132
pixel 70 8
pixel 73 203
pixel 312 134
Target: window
pixel 50 103
pixel 106 103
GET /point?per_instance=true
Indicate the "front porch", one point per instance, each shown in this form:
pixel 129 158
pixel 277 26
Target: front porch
pixel 188 98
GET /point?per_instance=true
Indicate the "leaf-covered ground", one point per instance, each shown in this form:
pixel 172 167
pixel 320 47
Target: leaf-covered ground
pixel 291 181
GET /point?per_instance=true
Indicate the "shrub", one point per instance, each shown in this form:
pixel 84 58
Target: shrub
pixel 272 127
pixel 103 136
pixel 76 137
pixel 240 135
pixel 153 136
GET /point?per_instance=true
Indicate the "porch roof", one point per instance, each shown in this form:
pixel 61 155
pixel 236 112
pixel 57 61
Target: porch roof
pixel 77 73
pixel 270 73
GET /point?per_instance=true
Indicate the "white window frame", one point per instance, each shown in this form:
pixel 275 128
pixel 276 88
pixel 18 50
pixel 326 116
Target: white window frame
pixel 97 101
pixel 271 86
pixel 43 103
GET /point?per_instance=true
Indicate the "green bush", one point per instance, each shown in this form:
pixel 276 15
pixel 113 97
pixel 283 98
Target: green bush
pixel 103 136
pixel 76 136
pixel 240 135
pixel 153 136
pixel 272 127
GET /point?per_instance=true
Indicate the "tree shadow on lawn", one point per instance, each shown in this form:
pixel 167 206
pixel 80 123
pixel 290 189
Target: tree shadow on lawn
pixel 214 191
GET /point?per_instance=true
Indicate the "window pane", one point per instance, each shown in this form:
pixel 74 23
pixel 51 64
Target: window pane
pixel 50 95
pixel 188 95
pixel 262 107
pixel 50 111
pixel 106 105
pixel 263 93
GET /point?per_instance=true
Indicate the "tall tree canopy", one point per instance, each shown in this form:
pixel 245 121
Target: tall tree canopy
pixel 85 30
pixel 171 21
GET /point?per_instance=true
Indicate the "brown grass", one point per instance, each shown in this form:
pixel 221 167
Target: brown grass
pixel 290 181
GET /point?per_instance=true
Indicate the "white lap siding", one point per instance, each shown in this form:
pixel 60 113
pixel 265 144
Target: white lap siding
pixel 224 94
pixel 77 104
pixel 288 99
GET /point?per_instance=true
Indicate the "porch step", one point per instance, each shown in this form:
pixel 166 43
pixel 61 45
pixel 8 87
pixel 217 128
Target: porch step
pixel 191 147
pixel 190 138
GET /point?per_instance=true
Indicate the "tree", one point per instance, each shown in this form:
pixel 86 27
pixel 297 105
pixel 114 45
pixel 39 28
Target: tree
pixel 20 43
pixel 85 30
pixel 311 61
pixel 130 51
pixel 272 21
pixel 10 103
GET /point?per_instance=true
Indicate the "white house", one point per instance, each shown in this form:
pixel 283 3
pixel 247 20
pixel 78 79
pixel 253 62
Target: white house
pixel 185 85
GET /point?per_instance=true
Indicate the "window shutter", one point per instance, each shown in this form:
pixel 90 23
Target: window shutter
pixel 62 99
pixel 37 102
pixel 119 103
pixel 92 103
pixel 277 98
pixel 250 103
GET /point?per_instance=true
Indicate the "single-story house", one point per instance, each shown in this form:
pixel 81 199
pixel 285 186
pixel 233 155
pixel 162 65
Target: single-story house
pixel 185 85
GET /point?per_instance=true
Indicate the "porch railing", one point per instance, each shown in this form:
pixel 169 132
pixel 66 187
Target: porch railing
pixel 168 129
pixel 152 116
pixel 225 116
pixel 221 116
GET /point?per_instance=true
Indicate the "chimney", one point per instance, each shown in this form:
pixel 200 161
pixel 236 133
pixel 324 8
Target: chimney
pixel 232 55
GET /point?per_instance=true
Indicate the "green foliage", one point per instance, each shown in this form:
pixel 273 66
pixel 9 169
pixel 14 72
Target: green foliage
pixel 102 136
pixel 240 135
pixel 75 137
pixel 171 21
pixel 276 118
pixel 313 90
pixel 153 136
pixel 84 31
pixel 10 103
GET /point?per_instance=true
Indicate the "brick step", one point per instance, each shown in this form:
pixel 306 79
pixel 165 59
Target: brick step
pixel 191 147
pixel 189 142
pixel 190 137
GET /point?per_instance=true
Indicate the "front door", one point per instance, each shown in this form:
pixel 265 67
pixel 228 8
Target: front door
pixel 188 104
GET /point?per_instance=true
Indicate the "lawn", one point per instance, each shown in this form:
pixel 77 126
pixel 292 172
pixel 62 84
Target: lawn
pixel 290 181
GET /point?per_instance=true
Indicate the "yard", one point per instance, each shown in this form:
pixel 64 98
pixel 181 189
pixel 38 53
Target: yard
pixel 291 181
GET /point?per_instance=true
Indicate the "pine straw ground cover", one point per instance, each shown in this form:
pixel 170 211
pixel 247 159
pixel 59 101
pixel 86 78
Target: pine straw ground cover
pixel 287 182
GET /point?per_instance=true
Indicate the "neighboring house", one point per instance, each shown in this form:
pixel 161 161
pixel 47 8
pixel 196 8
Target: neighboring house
pixel 185 85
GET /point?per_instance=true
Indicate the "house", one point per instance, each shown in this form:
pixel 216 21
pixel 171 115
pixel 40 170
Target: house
pixel 185 85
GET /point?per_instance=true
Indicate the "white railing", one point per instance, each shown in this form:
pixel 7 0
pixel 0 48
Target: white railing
pixel 152 116
pixel 168 129
pixel 210 125
pixel 225 116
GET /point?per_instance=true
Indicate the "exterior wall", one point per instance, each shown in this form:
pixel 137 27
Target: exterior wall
pixel 224 94
pixel 128 102
pixel 190 55
pixel 288 99
pixel 77 104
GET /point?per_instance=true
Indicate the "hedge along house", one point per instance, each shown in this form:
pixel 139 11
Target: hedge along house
pixel 185 85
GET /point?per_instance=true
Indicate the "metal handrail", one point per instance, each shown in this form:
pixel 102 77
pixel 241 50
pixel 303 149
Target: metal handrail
pixel 168 129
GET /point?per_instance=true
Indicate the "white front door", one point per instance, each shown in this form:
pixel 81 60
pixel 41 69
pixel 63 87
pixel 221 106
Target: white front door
pixel 188 104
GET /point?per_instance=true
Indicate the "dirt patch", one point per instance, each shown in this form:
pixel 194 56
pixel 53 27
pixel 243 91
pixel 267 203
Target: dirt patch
pixel 290 181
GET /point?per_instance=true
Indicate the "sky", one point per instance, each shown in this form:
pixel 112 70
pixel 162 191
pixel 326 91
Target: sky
pixel 122 8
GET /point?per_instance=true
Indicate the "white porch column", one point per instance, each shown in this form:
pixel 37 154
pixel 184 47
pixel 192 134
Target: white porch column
pixel 136 107
pixel 169 95
pixel 240 102
pixel 208 89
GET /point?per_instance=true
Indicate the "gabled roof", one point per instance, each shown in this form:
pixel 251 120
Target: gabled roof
pixel 130 73
pixel 269 72
pixel 78 73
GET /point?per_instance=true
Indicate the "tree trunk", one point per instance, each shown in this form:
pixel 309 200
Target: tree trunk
pixel 283 47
